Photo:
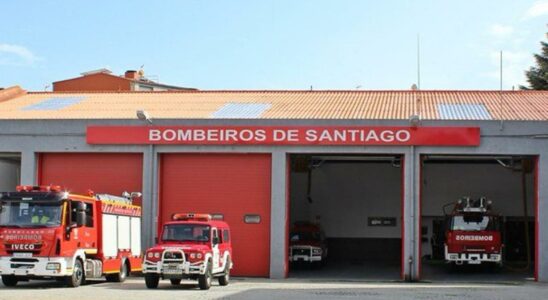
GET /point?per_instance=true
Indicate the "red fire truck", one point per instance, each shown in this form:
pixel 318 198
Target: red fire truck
pixel 473 233
pixel 192 246
pixel 47 232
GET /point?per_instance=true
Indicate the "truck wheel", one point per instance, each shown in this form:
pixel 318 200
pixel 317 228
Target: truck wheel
pixel 77 277
pixel 119 277
pixel 152 280
pixel 175 281
pixel 9 280
pixel 225 278
pixel 204 281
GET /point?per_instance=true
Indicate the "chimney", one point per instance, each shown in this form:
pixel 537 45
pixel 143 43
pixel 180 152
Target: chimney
pixel 132 74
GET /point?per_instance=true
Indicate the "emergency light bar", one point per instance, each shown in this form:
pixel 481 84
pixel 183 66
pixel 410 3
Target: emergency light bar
pixel 467 204
pixel 41 188
pixel 191 216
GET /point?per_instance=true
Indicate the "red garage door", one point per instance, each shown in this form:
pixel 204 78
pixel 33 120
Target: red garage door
pixel 231 184
pixel 111 173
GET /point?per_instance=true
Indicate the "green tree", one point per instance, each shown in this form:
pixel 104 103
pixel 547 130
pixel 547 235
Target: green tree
pixel 537 76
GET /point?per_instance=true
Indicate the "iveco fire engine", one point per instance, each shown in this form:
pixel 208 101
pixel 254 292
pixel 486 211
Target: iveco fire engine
pixel 473 233
pixel 47 232
pixel 192 246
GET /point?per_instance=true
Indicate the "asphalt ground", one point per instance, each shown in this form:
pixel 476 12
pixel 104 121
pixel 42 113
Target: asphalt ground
pixel 292 288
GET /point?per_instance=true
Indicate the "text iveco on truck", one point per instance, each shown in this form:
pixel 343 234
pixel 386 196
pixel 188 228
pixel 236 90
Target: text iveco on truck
pixel 47 232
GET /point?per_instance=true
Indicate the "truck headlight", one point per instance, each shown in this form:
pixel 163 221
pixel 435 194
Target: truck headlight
pixel 453 256
pixel 157 255
pixel 317 251
pixel 150 255
pixel 53 266
pixel 199 255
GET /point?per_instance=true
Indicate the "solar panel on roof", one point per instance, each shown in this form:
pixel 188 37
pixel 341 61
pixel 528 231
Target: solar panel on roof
pixel 54 103
pixel 236 110
pixel 463 112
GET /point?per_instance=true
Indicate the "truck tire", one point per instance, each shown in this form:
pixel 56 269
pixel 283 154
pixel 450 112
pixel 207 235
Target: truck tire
pixel 152 280
pixel 9 280
pixel 175 281
pixel 204 281
pixel 119 277
pixel 225 278
pixel 77 277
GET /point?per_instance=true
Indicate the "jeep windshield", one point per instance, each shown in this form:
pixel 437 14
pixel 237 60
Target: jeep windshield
pixel 186 233
pixel 26 214
pixel 474 223
pixel 305 236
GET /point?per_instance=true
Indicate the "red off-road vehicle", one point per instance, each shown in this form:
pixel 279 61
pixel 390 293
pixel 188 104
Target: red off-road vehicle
pixel 307 243
pixel 191 246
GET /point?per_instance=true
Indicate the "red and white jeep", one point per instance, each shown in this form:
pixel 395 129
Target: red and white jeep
pixel 307 243
pixel 192 246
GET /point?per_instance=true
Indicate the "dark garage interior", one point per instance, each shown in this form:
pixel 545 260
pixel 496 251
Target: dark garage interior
pixel 356 201
pixel 508 182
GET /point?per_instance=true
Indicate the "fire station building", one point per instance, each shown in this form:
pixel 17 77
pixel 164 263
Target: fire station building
pixel 377 170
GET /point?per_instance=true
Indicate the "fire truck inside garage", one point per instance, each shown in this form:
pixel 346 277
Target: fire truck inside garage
pixel 356 201
pixel 507 186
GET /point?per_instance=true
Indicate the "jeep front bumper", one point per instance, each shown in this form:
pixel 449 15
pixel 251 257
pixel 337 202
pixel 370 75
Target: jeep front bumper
pixel 305 254
pixel 173 269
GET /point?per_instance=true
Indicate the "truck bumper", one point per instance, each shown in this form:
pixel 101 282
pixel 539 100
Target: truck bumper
pixel 36 266
pixel 473 258
pixel 173 270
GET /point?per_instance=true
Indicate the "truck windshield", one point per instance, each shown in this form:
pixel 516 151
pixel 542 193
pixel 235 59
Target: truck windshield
pixel 30 214
pixel 186 232
pixel 473 223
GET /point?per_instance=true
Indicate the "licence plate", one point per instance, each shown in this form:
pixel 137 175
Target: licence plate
pixel 22 254
pixel 172 268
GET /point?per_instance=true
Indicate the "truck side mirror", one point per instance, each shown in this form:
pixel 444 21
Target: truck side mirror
pixel 80 214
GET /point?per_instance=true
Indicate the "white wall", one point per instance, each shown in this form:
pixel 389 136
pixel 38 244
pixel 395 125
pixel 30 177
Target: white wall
pixel 444 183
pixel 345 194
pixel 10 173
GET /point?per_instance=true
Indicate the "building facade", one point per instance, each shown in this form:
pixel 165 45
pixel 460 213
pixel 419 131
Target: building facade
pixel 261 161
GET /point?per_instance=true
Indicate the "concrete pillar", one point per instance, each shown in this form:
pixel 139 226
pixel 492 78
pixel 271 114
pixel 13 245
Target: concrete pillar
pixel 278 216
pixel 410 259
pixel 542 224
pixel 149 204
pixel 29 164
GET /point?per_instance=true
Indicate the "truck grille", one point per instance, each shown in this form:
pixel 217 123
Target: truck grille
pixel 173 255
pixel 300 251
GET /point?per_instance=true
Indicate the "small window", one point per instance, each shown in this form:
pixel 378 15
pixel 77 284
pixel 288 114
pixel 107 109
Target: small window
pixel 226 236
pixel 252 219
pixel 214 234
pixel 89 215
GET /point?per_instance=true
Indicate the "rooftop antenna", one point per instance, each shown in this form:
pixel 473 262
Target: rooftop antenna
pixel 418 61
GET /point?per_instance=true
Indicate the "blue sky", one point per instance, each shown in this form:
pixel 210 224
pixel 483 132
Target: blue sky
pixel 273 44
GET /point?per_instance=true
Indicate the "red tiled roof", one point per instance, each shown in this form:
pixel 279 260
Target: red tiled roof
pixel 431 105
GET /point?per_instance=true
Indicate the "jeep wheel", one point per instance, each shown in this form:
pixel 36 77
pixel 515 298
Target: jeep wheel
pixel 204 281
pixel 152 280
pixel 9 280
pixel 77 277
pixel 119 277
pixel 175 281
pixel 225 278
